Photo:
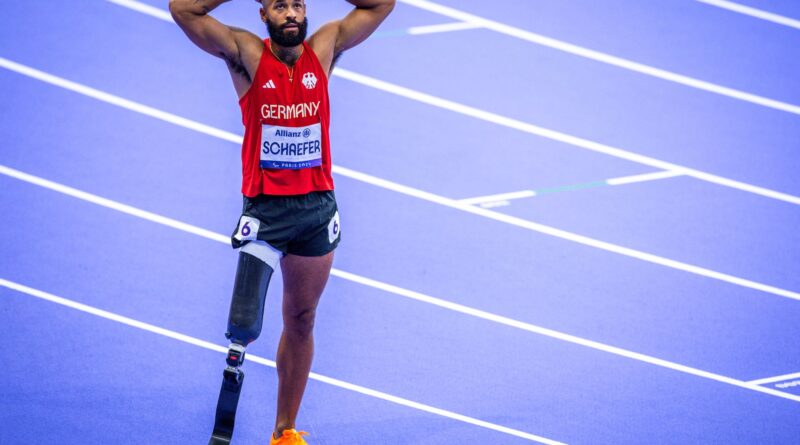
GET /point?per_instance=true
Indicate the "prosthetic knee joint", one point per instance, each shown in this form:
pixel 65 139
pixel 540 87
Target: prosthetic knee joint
pixel 257 261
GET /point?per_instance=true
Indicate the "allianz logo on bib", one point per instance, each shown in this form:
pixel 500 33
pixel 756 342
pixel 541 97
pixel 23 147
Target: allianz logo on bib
pixel 293 134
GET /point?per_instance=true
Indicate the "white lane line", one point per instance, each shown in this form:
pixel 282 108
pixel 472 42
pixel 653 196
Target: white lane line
pixel 499 197
pixel 414 30
pixel 503 198
pixel 118 101
pixel 547 133
pixel 114 205
pixel 446 27
pixel 779 378
pixel 602 57
pixel 753 12
pixel 558 136
pixel 493 204
pixel 189 124
pixel 563 234
pixel 410 191
pixel 263 361
pixel 644 178
pixel 144 9
pixel 399 291
pixel 565 337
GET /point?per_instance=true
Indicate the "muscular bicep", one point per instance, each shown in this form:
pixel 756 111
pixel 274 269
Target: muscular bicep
pixel 209 34
pixel 359 24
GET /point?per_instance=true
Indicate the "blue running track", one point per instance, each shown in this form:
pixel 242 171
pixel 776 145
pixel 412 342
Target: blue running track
pixel 506 275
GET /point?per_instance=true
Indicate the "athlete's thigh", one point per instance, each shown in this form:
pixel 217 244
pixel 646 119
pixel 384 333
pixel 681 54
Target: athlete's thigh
pixel 304 280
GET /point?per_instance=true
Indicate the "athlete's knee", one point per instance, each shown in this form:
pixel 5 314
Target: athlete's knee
pixel 300 323
pixel 257 261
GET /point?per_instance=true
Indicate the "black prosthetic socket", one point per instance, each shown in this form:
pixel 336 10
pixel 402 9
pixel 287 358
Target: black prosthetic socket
pixel 244 326
pixel 247 305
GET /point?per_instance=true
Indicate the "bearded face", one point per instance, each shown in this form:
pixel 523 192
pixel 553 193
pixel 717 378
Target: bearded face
pixel 290 33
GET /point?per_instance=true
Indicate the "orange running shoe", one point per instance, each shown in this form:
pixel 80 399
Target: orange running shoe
pixel 290 437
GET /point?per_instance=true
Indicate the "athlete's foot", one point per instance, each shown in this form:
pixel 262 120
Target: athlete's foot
pixel 289 437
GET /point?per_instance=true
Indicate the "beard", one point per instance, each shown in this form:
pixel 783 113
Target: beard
pixel 278 34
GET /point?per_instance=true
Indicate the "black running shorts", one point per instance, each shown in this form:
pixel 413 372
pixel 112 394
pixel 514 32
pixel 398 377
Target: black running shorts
pixel 306 225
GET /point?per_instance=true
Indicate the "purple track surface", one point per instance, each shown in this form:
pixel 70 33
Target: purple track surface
pixel 664 311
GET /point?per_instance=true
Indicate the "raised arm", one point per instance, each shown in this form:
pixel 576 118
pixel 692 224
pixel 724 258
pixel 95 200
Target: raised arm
pixel 335 37
pixel 238 47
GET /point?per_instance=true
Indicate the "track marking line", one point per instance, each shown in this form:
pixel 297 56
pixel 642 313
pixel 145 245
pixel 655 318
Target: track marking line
pixel 266 362
pixel 779 378
pixel 498 197
pixel 503 199
pixel 644 177
pixel 541 131
pixel 563 234
pixel 558 136
pixel 118 101
pixel 446 27
pixel 113 205
pixel 144 9
pixel 406 190
pixel 753 12
pixel 602 57
pixel 402 292
pixel 493 204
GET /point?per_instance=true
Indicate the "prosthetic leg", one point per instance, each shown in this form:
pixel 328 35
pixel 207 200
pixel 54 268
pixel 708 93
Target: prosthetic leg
pixel 257 261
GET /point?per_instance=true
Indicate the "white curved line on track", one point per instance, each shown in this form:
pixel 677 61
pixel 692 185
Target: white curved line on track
pixel 601 57
pixel 399 291
pixel 513 123
pixel 778 378
pixel 406 190
pixel 266 362
pixel 753 12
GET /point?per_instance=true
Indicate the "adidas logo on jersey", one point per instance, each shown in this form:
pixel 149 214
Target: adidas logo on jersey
pixel 269 84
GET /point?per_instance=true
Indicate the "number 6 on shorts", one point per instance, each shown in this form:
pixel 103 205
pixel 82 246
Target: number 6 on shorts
pixel 248 229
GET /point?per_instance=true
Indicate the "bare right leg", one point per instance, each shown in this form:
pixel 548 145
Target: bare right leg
pixel 304 279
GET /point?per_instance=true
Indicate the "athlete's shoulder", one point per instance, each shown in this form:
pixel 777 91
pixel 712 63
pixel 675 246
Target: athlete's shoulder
pixel 323 43
pixel 250 45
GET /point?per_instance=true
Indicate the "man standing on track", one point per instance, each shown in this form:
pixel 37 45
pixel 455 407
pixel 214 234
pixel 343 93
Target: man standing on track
pixel 290 214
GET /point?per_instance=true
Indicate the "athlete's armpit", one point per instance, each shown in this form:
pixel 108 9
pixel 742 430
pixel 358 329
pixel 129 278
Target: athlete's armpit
pixel 335 37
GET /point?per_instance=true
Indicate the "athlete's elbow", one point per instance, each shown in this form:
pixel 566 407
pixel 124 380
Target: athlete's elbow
pixel 383 7
pixel 373 4
pixel 184 9
pixel 178 9
pixel 388 4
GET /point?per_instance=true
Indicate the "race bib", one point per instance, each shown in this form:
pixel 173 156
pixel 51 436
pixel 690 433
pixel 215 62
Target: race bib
pixel 247 229
pixel 291 147
pixel 334 228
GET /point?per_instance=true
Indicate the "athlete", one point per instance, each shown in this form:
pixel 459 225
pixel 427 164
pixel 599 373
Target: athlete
pixel 290 215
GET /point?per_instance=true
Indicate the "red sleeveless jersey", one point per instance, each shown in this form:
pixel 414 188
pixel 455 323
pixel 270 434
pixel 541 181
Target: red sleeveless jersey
pixel 286 115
